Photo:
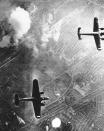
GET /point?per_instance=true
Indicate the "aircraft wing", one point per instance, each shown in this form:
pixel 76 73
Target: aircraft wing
pixel 96 36
pixel 97 41
pixel 35 92
pixel 37 108
pixel 95 25
pixel 36 101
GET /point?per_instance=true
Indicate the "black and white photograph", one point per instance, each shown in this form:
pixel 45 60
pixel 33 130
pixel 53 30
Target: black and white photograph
pixel 51 65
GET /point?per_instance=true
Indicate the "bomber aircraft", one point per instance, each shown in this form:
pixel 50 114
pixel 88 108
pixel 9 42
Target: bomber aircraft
pixel 97 33
pixel 36 99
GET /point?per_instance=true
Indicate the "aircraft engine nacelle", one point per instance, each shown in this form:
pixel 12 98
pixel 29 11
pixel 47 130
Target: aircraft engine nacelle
pixel 44 98
pixel 41 93
pixel 101 28
pixel 42 103
pixel 16 100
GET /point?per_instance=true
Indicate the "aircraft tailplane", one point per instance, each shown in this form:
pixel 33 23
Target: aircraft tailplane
pixel 79 34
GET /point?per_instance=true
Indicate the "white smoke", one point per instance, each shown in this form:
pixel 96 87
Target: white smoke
pixel 50 31
pixel 20 20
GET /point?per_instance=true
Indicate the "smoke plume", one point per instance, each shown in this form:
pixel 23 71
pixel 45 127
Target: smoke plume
pixel 20 20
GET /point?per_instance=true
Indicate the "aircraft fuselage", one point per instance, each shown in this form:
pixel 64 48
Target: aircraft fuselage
pixel 92 33
pixel 27 99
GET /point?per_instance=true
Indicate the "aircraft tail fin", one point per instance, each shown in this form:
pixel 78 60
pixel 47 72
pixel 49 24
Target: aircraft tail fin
pixel 79 34
pixel 16 100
